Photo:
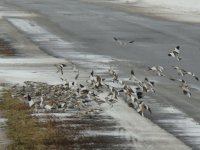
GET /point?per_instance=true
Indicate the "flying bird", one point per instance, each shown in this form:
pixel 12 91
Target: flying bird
pixel 133 77
pixel 157 69
pixel 186 90
pixel 179 70
pixel 175 53
pixel 183 72
pixel 192 74
pixel 123 42
pixel 149 85
pixel 184 86
pixel 142 107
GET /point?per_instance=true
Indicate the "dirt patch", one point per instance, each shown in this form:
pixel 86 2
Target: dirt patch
pixel 6 48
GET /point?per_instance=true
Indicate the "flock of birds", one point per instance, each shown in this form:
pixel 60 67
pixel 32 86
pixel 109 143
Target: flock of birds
pixel 100 90
pixel 181 72
pixel 175 53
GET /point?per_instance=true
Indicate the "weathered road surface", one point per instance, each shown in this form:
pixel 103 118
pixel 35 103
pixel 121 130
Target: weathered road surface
pixel 83 32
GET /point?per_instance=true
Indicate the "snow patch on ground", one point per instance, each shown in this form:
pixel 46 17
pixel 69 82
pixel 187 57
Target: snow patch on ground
pixel 25 61
pixel 176 10
pixel 176 5
pixel 179 123
pixel 16 14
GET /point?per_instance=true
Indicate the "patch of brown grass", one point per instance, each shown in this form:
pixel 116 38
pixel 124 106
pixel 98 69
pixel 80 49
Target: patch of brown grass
pixel 49 133
pixel 5 48
pixel 26 132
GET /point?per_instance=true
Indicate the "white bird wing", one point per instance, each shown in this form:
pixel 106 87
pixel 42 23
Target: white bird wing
pixel 176 51
pixel 160 68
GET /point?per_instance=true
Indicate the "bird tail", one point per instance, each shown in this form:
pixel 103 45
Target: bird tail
pixel 149 68
pixel 139 95
pixel 141 113
pixel 196 78
pixel 121 90
pixel 149 110
pixel 153 83
pixel 172 79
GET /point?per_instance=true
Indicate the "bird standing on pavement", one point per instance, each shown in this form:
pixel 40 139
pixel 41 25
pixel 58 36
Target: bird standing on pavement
pixel 60 68
pixel 142 107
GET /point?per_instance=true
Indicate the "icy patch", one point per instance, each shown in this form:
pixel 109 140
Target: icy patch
pixel 90 57
pixel 171 110
pixel 179 123
pixel 121 1
pixel 195 87
pixel 19 76
pixel 27 26
pixel 20 61
pixel 60 115
pixel 177 5
pixel 56 45
pixel 104 133
pixel 8 13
